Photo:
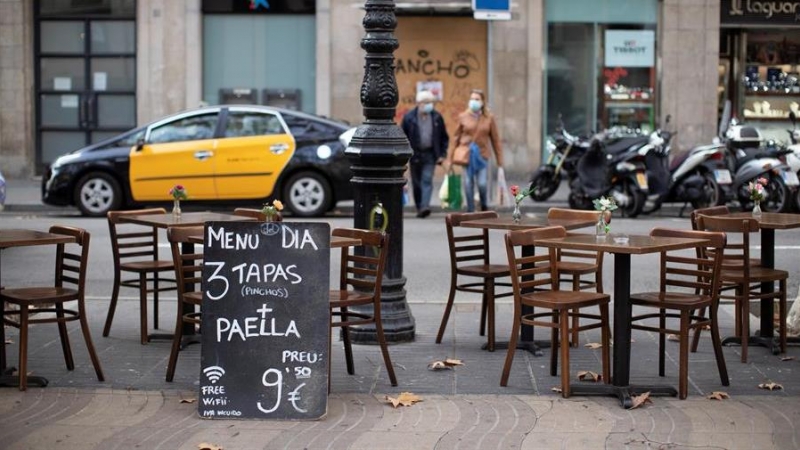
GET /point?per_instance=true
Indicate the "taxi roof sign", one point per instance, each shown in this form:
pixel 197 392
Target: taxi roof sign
pixel 491 9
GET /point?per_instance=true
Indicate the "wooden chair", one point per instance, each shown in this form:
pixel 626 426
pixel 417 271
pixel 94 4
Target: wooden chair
pixel 69 286
pixel 250 212
pixel 746 278
pixel 732 262
pixel 688 284
pixel 575 263
pixel 469 257
pixel 188 270
pixel 529 273
pixel 360 281
pixel 135 251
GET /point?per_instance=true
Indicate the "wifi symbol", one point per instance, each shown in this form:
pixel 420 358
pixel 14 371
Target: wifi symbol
pixel 214 373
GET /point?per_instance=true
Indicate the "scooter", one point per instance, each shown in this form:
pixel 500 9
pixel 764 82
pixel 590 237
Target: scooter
pixel 565 152
pixel 693 178
pixel 792 156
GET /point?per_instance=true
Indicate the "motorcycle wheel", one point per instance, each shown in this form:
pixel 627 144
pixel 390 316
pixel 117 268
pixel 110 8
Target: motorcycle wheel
pixel 543 186
pixel 576 202
pixel 637 198
pixel 712 193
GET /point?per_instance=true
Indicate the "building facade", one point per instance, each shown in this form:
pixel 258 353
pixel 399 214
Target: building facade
pixel 73 72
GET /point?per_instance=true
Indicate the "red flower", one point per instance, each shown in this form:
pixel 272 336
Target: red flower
pixel 514 190
pixel 762 181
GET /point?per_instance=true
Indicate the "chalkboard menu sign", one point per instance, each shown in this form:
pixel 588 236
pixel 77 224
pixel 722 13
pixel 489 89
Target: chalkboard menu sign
pixel 265 320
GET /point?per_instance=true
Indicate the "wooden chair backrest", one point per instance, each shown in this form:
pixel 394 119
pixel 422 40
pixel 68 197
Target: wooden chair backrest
pixel 362 266
pixel 710 211
pixel 529 272
pixel 740 252
pixel 130 242
pixel 573 214
pixel 250 212
pixel 188 266
pixel 72 259
pixel 694 274
pixel 467 245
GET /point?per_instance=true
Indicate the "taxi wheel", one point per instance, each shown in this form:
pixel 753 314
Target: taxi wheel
pixel 97 193
pixel 307 194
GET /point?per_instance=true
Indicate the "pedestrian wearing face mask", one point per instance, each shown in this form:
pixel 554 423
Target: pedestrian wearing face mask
pixel 426 133
pixel 477 130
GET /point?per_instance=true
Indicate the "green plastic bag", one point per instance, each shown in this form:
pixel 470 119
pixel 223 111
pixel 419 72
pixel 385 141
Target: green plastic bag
pixel 454 197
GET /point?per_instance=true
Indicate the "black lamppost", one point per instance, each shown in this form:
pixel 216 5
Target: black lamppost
pixel 379 152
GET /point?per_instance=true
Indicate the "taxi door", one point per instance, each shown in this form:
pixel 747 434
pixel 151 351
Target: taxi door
pixel 178 150
pixel 254 148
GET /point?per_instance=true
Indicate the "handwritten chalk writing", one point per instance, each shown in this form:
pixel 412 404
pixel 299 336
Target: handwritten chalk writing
pixel 292 239
pixel 266 273
pixel 294 397
pixel 248 291
pixel 214 390
pixel 215 401
pixel 278 383
pixel 295 356
pixel 231 240
pixel 254 327
pixel 302 372
pixel 234 413
pixel 216 277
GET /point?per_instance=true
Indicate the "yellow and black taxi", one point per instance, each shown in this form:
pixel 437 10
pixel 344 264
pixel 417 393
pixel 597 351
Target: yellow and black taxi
pixel 238 153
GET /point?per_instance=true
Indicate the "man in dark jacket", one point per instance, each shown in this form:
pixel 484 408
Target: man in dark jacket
pixel 426 132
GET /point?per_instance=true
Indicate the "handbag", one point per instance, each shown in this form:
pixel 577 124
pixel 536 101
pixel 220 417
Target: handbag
pixel 461 155
pixel 454 191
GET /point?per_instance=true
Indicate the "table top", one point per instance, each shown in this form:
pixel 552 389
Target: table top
pixel 23 238
pixel 336 241
pixel 775 221
pixel 637 245
pixel 186 219
pixel 507 223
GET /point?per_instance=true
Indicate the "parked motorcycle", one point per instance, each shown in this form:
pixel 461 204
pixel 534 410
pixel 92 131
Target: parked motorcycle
pixel 565 152
pixel 792 155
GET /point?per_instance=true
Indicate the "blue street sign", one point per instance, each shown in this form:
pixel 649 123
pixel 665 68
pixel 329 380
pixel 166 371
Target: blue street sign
pixel 491 9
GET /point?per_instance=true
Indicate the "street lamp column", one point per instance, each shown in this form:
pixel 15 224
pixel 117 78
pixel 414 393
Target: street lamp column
pixel 379 151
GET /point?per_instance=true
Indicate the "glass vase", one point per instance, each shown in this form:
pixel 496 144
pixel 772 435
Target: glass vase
pixel 516 214
pixel 757 209
pixel 601 228
pixel 176 208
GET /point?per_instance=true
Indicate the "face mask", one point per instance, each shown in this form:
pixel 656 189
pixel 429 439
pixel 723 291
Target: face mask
pixel 475 105
pixel 427 107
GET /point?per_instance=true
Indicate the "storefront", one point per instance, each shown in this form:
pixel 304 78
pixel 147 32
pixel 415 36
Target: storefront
pixel 260 52
pixel 759 62
pixel 600 64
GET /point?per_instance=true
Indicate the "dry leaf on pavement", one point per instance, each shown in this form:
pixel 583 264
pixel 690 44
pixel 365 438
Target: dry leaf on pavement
pixel 405 399
pixel 207 446
pixel 639 400
pixel 556 389
pixel 188 400
pixel 787 358
pixel 588 375
pixel 438 365
pixel 453 362
pixel 718 395
pixel 673 337
pixel 771 386
pixel 594 345
pixel 9 341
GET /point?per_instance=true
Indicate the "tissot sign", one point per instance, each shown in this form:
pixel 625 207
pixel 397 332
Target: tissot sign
pixel 630 48
pixel 760 12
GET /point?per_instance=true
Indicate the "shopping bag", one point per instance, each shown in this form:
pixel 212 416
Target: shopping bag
pixel 502 187
pixel 454 197
pixel 444 192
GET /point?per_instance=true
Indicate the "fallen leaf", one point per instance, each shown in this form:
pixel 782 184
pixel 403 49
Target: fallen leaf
pixel 207 446
pixel 771 386
pixel 589 375
pixel 718 395
pixel 9 341
pixel 639 400
pixel 188 400
pixel 787 358
pixel 405 399
pixel 438 365
pixel 673 337
pixel 556 389
pixel 453 362
pixel 594 345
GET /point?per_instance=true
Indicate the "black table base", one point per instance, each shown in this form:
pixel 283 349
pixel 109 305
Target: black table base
pixel 762 341
pixel 9 380
pixel 532 347
pixel 625 394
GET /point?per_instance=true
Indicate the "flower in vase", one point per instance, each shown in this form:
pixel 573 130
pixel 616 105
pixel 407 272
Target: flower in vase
pixel 757 189
pixel 178 192
pixel 518 194
pixel 605 205
pixel 272 210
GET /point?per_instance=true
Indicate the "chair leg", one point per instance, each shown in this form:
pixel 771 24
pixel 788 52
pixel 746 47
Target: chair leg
pixel 23 347
pixel 143 307
pixel 745 315
pixel 717 343
pixel 782 315
pixel 2 336
pixel 348 346
pixel 484 308
pixel 176 343
pixel 605 339
pixel 662 324
pixel 697 331
pixel 512 345
pixel 155 300
pixel 62 333
pixel 489 292
pixel 384 347
pixel 563 326
pixel 683 356
pixel 87 336
pixel 447 308
pixel 576 320
pixel 554 344
pixel 112 307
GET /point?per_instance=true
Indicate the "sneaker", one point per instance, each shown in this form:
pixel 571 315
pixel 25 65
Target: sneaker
pixel 424 213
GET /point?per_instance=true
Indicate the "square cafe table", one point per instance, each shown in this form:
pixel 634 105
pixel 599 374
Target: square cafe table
pixel 526 341
pixel 637 245
pixel 24 238
pixel 768 223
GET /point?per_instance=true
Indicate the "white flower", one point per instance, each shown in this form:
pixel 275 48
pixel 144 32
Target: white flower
pixel 605 203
